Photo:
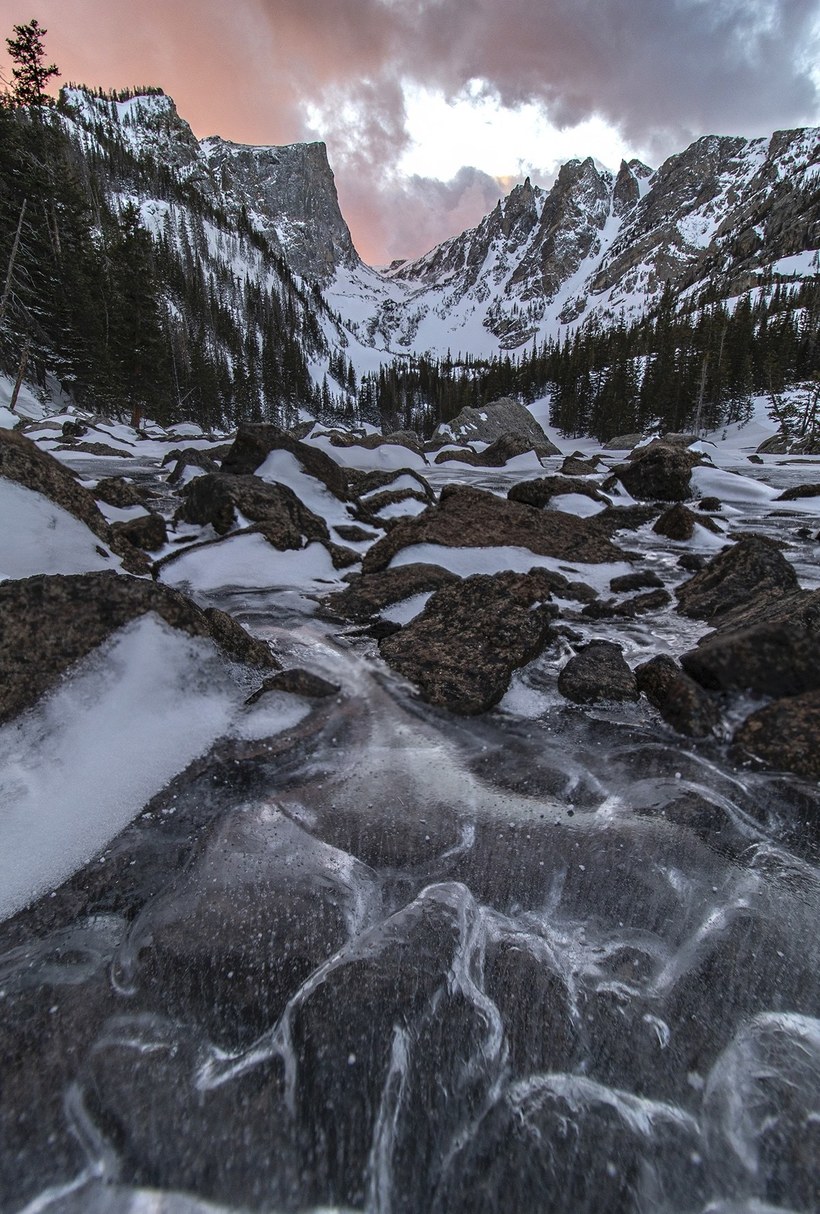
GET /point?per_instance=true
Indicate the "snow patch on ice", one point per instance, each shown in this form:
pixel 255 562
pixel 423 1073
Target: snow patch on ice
pixel 37 536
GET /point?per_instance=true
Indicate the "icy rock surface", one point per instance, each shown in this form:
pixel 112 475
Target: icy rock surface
pixel 362 954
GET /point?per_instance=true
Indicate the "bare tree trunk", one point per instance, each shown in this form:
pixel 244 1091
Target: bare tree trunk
pixel 21 370
pixel 10 272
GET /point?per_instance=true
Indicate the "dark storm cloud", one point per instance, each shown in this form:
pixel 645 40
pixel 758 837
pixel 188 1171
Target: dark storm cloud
pixel 661 71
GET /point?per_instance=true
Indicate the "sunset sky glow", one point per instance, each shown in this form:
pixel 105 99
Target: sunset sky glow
pixel 432 109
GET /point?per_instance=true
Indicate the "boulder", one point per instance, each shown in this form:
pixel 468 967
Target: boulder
pixel 74 429
pixel 797 492
pixel 505 448
pixel 47 623
pixel 681 702
pixel 624 518
pixel 752 571
pixel 191 457
pixel 369 593
pixel 710 504
pixel 771 648
pixel 279 514
pixel 646 579
pixel 95 449
pixel 575 465
pixel 653 600
pixel 115 491
pixel 147 532
pixel 623 442
pixel 676 523
pixel 22 461
pixel 462 649
pixel 255 441
pixel 659 472
pixel 598 672
pixel 538 492
pixel 499 418
pixel 784 736
pixel 778 444
pixel 471 518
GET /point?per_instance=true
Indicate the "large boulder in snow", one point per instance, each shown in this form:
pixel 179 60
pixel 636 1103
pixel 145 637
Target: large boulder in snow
pixel 462 649
pixel 255 441
pixel 22 462
pixel 751 572
pixel 539 491
pixel 47 623
pixel 471 518
pixel 368 594
pixel 499 419
pixel 507 447
pixel 281 517
pixel 660 472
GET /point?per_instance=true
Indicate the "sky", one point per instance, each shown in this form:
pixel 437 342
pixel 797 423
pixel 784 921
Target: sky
pixel 433 109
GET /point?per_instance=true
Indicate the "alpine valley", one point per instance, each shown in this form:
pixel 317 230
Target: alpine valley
pixel 255 303
pixel 409 685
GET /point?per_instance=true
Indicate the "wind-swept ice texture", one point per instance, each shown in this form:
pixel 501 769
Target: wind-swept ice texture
pixel 81 764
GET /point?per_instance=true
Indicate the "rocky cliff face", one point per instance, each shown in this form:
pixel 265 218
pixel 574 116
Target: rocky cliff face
pixel 288 193
pixel 723 215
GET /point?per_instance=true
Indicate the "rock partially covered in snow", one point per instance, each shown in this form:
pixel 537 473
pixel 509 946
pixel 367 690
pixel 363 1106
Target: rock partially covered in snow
pixel 368 594
pixel 472 518
pixel 660 472
pixel 462 649
pixel 49 623
pixel 279 515
pixel 500 419
pixel 254 442
pixel 22 462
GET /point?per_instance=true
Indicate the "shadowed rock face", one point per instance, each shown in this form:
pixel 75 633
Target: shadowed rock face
pixel 369 593
pixel 49 623
pixel 751 572
pixel 598 672
pixel 284 520
pixel 461 651
pixel 254 442
pixel 660 472
pixel 23 462
pixel 771 648
pixel 471 518
pixel 784 735
pixel 678 698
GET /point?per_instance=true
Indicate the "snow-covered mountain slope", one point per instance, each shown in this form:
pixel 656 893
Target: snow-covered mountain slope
pixel 719 217
pixel 287 193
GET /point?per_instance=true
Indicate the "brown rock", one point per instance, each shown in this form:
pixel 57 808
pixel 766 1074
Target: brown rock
pixel 676 523
pixel 659 472
pixel 680 701
pixel 296 681
pixel 771 648
pixel 369 593
pixel 254 442
pixel 598 672
pixel 753 570
pixel 284 521
pixel 539 491
pixel 47 623
pixel 471 518
pixel 784 736
pixel 147 532
pixel 115 491
pixel 461 651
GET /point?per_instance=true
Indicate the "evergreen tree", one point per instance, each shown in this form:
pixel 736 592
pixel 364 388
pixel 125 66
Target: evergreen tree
pixel 31 74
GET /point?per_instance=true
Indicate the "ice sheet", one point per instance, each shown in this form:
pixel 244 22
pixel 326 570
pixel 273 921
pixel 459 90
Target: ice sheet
pixel 249 561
